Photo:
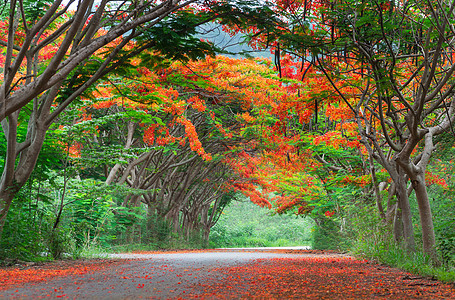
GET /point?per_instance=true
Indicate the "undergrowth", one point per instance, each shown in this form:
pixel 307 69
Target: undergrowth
pixel 373 240
pixel 417 262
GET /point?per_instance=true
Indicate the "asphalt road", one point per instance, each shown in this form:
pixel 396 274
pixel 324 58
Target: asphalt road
pixel 146 276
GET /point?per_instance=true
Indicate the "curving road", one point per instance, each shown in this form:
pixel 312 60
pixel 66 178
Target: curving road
pixel 262 273
pixel 149 276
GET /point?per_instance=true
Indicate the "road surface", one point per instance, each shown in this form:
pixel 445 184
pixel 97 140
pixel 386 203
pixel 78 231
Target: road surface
pixel 235 274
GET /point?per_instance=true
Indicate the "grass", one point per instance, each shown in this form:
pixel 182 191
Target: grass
pixel 392 254
pixel 172 243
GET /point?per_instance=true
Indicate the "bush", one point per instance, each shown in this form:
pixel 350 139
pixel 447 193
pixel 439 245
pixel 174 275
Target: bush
pixel 373 239
pixel 59 241
pixel 446 246
pixel 326 235
pixel 22 237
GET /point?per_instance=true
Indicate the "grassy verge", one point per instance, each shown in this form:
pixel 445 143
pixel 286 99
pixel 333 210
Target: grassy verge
pixel 390 253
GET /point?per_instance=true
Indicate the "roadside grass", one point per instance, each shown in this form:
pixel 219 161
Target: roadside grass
pixel 390 253
pixel 171 243
pixel 252 241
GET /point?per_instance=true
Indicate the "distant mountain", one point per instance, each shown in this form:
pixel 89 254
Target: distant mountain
pixel 235 45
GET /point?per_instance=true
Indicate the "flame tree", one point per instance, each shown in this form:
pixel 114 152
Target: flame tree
pixel 51 56
pixel 395 61
pixel 170 133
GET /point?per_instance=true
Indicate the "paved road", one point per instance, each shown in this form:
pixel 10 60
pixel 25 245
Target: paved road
pixel 235 274
pixel 149 276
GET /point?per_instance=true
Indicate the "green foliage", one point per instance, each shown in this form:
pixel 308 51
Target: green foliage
pixel 371 238
pixel 92 217
pixel 22 232
pixel 194 241
pixel 444 220
pixel 59 242
pixel 173 37
pixel 27 233
pixel 124 248
pixel 327 235
pixel 158 229
pixel 244 224
pixel 442 198
pixel 33 9
pixel 155 234
pixel 387 251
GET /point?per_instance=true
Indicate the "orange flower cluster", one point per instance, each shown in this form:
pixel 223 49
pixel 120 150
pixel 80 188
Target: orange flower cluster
pixel 75 150
pixel 48 53
pixel 245 166
pixel 247 117
pixel 195 143
pixel 197 103
pixel 340 113
pixel 285 204
pixel 257 197
pixel 336 140
pixel 162 141
pixel 305 116
pixel 175 108
pixel 329 214
pixel 361 181
pixel 431 178
pixel 149 134
pixel 104 104
pixel 144 71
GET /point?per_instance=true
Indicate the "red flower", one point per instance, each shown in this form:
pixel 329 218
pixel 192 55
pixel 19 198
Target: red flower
pixel 328 214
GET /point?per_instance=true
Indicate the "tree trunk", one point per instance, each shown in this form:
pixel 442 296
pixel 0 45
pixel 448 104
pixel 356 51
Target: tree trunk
pixel 173 217
pixel 5 202
pixel 398 234
pixel 391 207
pixel 403 204
pixel 16 172
pixel 426 219
pixel 376 190
pixel 416 173
pixel 206 221
pixel 206 234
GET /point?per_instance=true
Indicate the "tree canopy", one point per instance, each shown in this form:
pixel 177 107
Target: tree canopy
pixel 347 114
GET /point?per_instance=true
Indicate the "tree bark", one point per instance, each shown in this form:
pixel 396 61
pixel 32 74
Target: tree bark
pixel 376 190
pixel 5 202
pixel 426 217
pixel 416 173
pixel 406 215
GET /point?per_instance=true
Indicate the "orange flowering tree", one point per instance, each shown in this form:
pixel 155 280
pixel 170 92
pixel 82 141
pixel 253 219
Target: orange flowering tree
pixel 52 55
pixel 173 133
pixel 285 152
pixel 392 75
pixel 381 88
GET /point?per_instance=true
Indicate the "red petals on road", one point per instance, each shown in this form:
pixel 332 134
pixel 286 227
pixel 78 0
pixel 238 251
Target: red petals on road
pixel 320 278
pixel 37 273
